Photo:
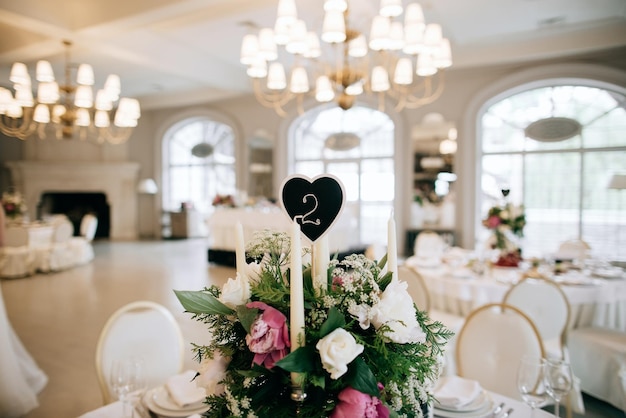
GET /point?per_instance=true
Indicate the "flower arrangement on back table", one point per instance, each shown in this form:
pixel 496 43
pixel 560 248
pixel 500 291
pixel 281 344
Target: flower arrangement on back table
pixel 313 339
pixel 13 205
pixel 507 223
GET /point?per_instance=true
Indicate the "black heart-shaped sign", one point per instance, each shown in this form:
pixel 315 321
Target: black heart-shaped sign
pixel 314 204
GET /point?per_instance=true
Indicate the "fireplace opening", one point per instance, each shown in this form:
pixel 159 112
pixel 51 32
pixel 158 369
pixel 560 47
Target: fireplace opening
pixel 75 206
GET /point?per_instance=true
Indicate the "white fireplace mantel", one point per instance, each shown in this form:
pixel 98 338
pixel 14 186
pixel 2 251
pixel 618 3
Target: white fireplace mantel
pixel 117 180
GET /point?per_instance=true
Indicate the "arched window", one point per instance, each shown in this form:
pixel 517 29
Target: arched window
pixel 198 163
pixel 557 147
pixel 357 146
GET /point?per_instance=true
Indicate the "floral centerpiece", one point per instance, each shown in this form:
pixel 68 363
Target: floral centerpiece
pixel 227 200
pixel 13 205
pixel 367 351
pixel 507 223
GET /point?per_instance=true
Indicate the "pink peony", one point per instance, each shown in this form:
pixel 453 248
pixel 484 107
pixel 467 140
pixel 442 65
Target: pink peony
pixel 355 404
pixel 269 336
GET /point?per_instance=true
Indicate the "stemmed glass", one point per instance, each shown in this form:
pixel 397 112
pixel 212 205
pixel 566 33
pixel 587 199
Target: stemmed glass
pixel 558 380
pixel 126 380
pixel 530 382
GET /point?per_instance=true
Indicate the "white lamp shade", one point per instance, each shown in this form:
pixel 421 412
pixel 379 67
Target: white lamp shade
pixel 281 33
pixel 24 96
pixel 299 81
pixel 379 35
pixel 5 99
pixel 413 14
pixel 249 49
pixel 354 89
pixel 390 8
pixel 48 92
pixel 447 146
pixel 19 74
pixel 258 69
pixel 313 49
pixel 267 46
pixel 334 27
pixel 103 102
pixel 357 47
pixel 425 65
pixel 14 110
pixel 83 97
pixel 41 114
pixel 147 186
pixel 404 72
pixel 413 39
pixel 380 79
pixel 276 79
pixel 297 38
pixel 82 117
pixel 57 112
pixel 286 13
pixel 396 36
pixel 432 36
pixel 84 76
pixel 335 5
pixel 43 72
pixel 113 86
pixel 443 55
pixel 323 89
pixel 101 119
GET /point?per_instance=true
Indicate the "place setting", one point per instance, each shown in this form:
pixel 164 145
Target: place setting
pixel 178 397
pixel 458 397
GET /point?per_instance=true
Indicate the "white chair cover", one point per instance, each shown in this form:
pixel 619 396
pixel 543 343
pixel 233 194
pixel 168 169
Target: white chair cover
pixel 16 258
pixel 491 344
pixel 142 329
pixel 429 248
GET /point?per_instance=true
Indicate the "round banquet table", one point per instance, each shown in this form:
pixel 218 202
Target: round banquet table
pixel 21 379
pixel 599 302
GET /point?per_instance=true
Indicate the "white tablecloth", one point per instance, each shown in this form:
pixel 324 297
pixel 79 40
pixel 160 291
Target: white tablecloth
pixel 342 236
pixel 594 301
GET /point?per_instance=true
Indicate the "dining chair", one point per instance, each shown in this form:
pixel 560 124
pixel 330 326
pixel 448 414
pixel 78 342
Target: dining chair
pixel 142 329
pixel 418 290
pixel 88 226
pixel 491 344
pixel 429 245
pixel 80 247
pixel 545 303
pixel 16 258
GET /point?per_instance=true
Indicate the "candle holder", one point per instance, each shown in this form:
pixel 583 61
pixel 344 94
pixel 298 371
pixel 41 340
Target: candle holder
pixel 298 396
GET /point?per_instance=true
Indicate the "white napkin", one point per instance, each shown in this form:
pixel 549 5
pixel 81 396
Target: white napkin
pixel 112 410
pixel 456 391
pixel 183 390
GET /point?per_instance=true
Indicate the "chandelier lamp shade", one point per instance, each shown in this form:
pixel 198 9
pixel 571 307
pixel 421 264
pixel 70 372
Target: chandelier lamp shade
pixel 66 111
pixel 402 62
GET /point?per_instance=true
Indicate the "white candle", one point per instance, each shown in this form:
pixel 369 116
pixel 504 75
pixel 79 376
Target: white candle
pixel 321 258
pixel 240 252
pixel 392 250
pixel 296 289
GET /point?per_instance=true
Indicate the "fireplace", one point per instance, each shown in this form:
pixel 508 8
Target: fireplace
pixel 75 206
pixel 115 182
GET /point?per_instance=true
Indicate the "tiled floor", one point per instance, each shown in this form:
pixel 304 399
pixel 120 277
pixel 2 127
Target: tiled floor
pixel 58 316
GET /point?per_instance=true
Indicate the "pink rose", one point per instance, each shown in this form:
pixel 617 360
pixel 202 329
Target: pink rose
pixel 355 404
pixel 269 336
pixel 493 222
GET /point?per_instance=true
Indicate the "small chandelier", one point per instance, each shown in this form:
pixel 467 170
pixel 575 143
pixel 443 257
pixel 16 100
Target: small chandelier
pixel 402 62
pixel 65 111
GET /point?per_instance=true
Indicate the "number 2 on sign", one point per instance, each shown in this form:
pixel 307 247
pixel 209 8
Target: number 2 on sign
pixel 303 218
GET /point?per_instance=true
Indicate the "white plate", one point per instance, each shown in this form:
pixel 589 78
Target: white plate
pixel 478 403
pixel 148 401
pixel 484 411
pixel 162 398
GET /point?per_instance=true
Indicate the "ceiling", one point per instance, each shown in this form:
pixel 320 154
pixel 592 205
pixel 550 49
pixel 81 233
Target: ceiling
pixel 179 52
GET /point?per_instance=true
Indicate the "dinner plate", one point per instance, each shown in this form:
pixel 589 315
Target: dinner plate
pixel 150 403
pixel 484 410
pixel 162 398
pixel 478 403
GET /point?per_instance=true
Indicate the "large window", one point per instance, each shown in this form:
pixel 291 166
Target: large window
pixel 199 162
pixel 556 148
pixel 357 146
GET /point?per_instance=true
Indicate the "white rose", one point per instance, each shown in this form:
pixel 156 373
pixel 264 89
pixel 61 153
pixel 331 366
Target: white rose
pixel 362 313
pixel 337 350
pixel 211 372
pixel 235 292
pixel 396 311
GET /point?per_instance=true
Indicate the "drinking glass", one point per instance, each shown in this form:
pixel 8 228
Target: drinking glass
pixel 558 380
pixel 530 382
pixel 126 380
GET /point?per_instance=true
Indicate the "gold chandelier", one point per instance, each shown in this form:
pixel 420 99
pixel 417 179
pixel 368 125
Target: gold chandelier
pixel 403 61
pixel 66 111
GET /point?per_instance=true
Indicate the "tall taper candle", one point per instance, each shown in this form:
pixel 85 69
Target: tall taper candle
pixel 321 259
pixel 240 252
pixel 392 249
pixel 296 288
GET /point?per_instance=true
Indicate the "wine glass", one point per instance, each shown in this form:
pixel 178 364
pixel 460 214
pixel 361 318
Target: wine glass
pixel 127 380
pixel 558 380
pixel 530 382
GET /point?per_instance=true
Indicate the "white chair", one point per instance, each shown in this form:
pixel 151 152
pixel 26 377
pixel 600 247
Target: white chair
pixel 140 329
pixel 80 246
pixel 547 306
pixel 88 227
pixel 421 297
pixel 16 258
pixel 429 248
pixel 574 249
pixel 491 344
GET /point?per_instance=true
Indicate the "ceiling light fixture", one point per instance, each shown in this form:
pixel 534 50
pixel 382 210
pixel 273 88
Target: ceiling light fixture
pixel 402 62
pixel 66 110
